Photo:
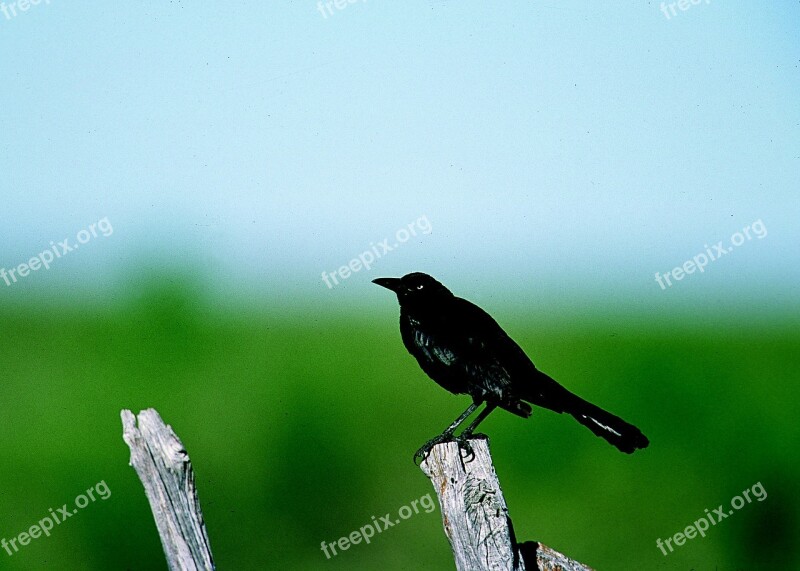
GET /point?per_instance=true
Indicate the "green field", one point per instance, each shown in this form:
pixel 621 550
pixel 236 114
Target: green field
pixel 301 427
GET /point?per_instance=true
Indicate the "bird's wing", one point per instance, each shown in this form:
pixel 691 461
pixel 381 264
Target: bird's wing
pixel 485 353
pixel 510 366
pixel 455 357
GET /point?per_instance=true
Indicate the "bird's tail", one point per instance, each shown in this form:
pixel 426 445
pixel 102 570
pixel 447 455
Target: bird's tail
pixel 626 437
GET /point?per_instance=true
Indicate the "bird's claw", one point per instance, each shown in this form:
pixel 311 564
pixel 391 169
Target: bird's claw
pixel 465 446
pixel 422 454
pixel 462 440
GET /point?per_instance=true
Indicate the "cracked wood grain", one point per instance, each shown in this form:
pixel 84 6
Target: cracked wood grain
pixel 163 466
pixel 475 514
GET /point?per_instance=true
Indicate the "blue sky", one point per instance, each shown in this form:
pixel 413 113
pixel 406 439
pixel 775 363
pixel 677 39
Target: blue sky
pixel 557 148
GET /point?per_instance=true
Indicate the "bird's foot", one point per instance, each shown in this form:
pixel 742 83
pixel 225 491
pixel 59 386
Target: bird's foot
pixel 422 454
pixel 463 441
pixel 465 446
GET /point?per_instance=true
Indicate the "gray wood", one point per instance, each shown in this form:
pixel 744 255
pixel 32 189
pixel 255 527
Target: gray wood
pixel 475 515
pixel 163 466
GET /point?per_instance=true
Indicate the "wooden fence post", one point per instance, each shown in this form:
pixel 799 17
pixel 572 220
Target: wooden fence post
pixel 163 466
pixel 475 515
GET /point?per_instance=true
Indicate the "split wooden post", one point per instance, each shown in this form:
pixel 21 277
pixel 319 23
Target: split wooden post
pixel 475 515
pixel 163 466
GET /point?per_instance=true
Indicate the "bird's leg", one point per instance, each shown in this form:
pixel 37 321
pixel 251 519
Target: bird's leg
pixel 478 419
pixel 463 438
pixel 457 422
pixel 423 452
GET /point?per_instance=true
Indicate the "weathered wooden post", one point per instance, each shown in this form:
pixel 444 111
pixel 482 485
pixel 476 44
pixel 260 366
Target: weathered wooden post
pixel 163 466
pixel 475 515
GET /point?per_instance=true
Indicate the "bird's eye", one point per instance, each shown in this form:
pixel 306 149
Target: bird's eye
pixel 420 286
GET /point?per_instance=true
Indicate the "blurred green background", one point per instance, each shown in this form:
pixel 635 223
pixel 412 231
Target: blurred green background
pixel 301 424
pixel 562 152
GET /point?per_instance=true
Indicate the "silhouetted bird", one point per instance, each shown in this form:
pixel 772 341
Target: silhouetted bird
pixel 465 351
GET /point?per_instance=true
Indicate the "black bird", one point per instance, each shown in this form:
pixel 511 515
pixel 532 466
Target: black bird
pixel 465 351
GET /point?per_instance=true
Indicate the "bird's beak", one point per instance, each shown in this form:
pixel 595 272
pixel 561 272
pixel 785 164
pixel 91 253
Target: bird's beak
pixel 389 283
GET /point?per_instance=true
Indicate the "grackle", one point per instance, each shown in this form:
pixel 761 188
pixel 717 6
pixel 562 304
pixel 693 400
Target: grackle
pixel 465 351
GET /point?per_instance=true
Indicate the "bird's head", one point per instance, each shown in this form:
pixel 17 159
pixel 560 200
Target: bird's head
pixel 414 287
